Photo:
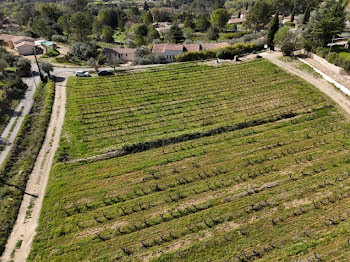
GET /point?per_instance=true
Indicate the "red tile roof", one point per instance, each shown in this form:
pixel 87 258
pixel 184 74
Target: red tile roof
pixel 212 46
pixel 18 39
pixel 161 48
pixel 119 50
pixel 25 43
pixel 193 47
pixel 6 37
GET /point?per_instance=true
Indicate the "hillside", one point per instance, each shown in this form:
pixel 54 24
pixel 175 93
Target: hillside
pixel 237 163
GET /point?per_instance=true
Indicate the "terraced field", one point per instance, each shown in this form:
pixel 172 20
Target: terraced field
pixel 235 163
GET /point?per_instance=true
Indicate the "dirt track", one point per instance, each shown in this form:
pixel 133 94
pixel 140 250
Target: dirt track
pixel 320 83
pixel 25 228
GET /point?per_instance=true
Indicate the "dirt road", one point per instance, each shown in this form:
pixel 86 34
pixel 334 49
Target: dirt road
pixel 320 83
pixel 25 227
pixel 9 134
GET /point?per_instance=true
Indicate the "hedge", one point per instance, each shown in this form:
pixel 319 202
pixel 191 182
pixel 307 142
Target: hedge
pixel 223 53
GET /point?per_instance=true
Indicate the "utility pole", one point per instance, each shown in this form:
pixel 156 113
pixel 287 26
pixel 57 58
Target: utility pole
pixel 37 63
pixel 330 48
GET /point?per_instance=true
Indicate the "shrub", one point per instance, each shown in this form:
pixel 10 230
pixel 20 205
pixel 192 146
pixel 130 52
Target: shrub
pixel 24 67
pixel 321 51
pixel 52 52
pixel 332 58
pixel 59 38
pixel 83 51
pixel 223 53
pixel 193 56
pixel 287 49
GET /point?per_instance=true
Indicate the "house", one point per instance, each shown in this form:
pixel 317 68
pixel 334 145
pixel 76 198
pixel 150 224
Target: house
pixel 124 54
pixel 169 51
pixel 7 40
pixel 213 46
pixel 25 48
pixel 193 47
pixel 24 45
pixel 236 20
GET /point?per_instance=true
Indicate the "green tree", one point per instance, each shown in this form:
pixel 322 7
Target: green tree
pixel 145 6
pixel 286 39
pixel 306 15
pixel 189 23
pixel 78 5
pixel 139 40
pixel 50 11
pixel 147 18
pixel 46 67
pixel 152 33
pixel 259 15
pixel 23 67
pixel 93 62
pixel 202 23
pixel 219 18
pixel 41 28
pixel 107 34
pixel 175 35
pixel 64 23
pixel 213 33
pixel 327 22
pixel 141 30
pixel 97 27
pixel 80 23
pixel 114 61
pixel 273 28
pixel 3 65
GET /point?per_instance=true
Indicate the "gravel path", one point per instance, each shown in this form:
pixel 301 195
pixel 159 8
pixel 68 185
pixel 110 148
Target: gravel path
pixel 25 227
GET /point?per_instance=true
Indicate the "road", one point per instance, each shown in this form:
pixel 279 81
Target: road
pixel 10 132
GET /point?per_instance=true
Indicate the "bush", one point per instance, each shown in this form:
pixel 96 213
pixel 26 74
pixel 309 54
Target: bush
pixel 321 51
pixel 223 53
pixel 83 51
pixel 237 49
pixel 332 58
pixel 59 38
pixel 52 52
pixel 24 67
pixel 287 49
pixel 227 36
pixel 193 56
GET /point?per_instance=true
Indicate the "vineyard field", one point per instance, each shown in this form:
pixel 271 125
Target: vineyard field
pixel 233 163
pixel 181 100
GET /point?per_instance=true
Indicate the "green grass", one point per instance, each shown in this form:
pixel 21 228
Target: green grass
pixel 236 176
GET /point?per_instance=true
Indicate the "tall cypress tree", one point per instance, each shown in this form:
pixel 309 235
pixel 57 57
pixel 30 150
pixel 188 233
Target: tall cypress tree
pixel 307 15
pixel 293 15
pixel 273 28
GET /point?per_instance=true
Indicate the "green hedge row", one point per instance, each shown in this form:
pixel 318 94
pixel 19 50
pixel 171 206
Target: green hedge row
pixel 223 53
pixel 20 162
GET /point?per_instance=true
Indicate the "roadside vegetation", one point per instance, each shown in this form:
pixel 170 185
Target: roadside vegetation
pixel 20 162
pixel 12 87
pixel 236 162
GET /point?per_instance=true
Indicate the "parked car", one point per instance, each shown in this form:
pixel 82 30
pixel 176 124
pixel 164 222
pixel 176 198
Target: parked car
pixel 105 73
pixel 82 74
